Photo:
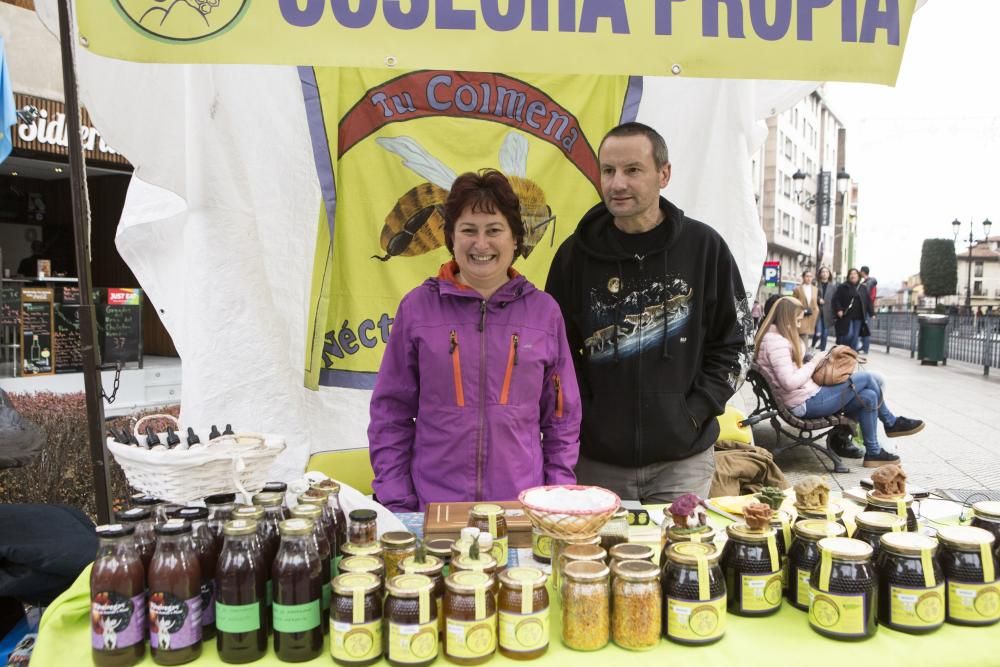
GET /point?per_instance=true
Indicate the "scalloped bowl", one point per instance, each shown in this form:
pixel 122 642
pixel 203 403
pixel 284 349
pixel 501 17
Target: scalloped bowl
pixel 564 523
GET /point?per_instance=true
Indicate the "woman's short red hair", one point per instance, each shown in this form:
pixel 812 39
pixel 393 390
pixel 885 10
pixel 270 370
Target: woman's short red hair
pixel 487 191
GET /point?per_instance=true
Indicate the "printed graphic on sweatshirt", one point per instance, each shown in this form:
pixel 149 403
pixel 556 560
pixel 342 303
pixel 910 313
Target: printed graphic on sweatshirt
pixel 744 322
pixel 628 317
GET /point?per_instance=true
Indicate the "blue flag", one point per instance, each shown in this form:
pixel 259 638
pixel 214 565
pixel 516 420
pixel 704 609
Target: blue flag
pixel 8 115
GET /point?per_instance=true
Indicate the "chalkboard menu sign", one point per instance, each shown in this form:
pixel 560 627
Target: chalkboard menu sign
pixel 10 304
pixel 119 322
pixel 69 349
pixel 37 331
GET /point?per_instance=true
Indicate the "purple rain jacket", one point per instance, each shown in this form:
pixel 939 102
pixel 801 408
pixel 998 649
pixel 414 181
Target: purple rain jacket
pixel 475 400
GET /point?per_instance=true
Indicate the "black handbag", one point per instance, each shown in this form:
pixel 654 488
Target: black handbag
pixel 865 331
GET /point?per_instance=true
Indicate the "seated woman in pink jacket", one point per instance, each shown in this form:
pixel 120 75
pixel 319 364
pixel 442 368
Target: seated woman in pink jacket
pixel 476 398
pixel 779 359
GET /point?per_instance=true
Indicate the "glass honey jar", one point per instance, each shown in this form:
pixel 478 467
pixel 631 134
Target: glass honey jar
pixel 470 611
pixel 523 605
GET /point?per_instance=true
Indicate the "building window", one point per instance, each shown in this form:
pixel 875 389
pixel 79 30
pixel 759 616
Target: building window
pixel 788 148
pixel 977 288
pixel 977 269
pixel 786 186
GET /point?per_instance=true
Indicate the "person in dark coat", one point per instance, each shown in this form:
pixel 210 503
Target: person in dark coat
pixel 852 307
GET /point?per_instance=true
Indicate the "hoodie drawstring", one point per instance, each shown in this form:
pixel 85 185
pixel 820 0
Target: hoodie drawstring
pixel 618 309
pixel 666 315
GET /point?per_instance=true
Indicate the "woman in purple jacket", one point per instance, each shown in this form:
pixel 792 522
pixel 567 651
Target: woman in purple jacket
pixel 476 398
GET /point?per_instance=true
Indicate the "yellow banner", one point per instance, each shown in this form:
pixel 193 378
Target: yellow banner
pixel 388 149
pixel 815 40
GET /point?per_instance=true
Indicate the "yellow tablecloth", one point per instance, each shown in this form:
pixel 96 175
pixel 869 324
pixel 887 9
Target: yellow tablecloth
pixel 785 638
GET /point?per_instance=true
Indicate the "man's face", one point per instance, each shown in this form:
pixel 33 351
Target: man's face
pixel 630 181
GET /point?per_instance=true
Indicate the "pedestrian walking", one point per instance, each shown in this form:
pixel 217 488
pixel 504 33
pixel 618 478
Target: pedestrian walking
pixel 826 289
pixel 852 307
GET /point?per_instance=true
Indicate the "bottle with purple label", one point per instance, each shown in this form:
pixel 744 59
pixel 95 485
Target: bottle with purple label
pixel 117 599
pixel 204 546
pixel 174 596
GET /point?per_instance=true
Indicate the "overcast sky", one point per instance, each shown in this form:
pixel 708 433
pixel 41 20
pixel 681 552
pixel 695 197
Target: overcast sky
pixel 928 150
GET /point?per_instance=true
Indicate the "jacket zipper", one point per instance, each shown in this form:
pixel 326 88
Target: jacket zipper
pixel 456 367
pixel 511 362
pixel 482 399
pixel 557 381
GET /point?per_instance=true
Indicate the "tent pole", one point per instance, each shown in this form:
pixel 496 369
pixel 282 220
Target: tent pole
pixel 81 233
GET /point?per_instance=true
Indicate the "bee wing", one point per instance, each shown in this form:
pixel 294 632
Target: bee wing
pixel 416 158
pixel 514 155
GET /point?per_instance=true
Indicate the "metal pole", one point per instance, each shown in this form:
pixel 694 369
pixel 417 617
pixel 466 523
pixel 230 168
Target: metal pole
pixel 968 280
pixel 81 234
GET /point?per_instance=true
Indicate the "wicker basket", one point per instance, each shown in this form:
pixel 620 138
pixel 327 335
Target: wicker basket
pixel 569 523
pixel 228 464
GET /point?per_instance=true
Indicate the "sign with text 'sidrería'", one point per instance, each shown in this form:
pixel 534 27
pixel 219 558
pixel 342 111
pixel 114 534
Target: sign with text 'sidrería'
pixel 816 40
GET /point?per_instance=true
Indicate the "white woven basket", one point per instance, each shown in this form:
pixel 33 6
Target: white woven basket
pixel 228 464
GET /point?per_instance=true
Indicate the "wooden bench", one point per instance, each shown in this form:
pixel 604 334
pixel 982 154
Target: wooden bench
pixel 805 432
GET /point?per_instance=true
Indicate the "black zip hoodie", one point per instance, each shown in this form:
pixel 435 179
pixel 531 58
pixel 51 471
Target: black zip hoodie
pixel 655 335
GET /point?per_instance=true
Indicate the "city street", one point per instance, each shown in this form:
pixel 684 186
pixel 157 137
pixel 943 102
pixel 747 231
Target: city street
pixel 958 449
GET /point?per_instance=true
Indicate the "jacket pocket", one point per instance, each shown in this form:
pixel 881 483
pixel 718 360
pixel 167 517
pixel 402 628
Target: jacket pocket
pixel 456 367
pixel 509 373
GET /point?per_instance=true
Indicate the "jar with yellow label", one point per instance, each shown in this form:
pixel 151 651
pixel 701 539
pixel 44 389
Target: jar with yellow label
pixel 411 625
pixel 586 605
pixel 485 563
pixel 629 551
pixel 541 546
pixel 910 583
pixel 372 550
pixel 366 565
pixel 671 534
pixel 901 507
pixel 636 605
pixel 869 527
pixel 803 556
pixel 751 561
pixel 694 591
pixel 356 620
pixel 844 590
pixel 431 567
pixel 397 546
pixel 970 569
pixel 470 612
pixel 490 518
pixel 986 515
pixel 781 524
pixel 523 605
pixel 832 512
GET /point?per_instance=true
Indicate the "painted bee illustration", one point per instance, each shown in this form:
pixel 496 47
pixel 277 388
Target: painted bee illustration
pixel 415 225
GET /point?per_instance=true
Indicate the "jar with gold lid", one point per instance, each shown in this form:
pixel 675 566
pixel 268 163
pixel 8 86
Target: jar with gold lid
pixel 491 518
pixel 586 605
pixel 365 565
pixel 970 568
pixel 911 583
pixel 803 556
pixel 986 515
pixel 628 551
pixel 636 605
pixel 671 534
pixel 751 561
pixel 523 605
pixel 350 549
pixel 484 563
pixel 470 611
pixel 356 619
pixel 844 590
pixel 440 548
pixel 578 552
pixel 869 527
pixel 432 567
pixel 694 590
pixel 396 546
pixel 901 507
pixel 411 625
pixel 832 512
pixel 560 545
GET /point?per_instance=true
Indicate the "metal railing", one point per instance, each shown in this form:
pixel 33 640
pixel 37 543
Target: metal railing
pixel 969 339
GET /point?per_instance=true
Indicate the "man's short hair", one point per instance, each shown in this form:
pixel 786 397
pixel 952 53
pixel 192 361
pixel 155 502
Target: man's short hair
pixel 865 270
pixel 660 154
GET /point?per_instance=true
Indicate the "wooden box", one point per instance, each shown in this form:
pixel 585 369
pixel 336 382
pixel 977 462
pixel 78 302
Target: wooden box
pixel 448 519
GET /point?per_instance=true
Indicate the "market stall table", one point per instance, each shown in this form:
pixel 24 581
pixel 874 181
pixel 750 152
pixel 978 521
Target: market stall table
pixel 64 638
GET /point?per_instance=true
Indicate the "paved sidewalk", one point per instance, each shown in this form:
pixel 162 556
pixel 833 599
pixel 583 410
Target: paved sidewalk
pixel 958 449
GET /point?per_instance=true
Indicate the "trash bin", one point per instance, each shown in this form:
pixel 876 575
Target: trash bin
pixel 932 339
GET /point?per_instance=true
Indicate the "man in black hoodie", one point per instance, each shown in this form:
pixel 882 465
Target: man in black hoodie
pixel 650 302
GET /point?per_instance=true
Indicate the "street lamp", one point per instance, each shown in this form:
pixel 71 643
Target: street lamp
pixel 956 227
pixel 822 196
